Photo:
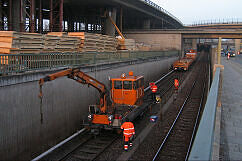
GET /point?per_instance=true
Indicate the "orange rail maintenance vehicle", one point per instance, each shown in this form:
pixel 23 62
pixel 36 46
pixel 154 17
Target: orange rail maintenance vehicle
pixel 182 64
pixel 127 94
pixel 192 54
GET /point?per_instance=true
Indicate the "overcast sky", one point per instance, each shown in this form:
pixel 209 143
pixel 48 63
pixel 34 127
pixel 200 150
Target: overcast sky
pixel 191 11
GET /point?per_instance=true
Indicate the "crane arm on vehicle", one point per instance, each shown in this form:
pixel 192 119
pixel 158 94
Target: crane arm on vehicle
pixel 80 77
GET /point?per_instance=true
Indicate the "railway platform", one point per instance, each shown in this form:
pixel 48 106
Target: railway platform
pixel 231 110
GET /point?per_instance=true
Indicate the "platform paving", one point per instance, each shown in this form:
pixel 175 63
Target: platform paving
pixel 231 116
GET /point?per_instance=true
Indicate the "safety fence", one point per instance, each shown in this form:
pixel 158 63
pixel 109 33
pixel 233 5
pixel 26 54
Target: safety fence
pixel 15 63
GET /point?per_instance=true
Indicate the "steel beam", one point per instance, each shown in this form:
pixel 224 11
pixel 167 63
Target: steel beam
pixel 51 16
pixel 32 16
pixel 10 17
pixel 21 23
pixel 121 20
pixel 61 15
pixel 56 15
pixel 40 18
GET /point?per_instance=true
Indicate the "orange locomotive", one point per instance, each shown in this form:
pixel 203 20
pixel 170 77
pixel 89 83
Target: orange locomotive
pixel 127 93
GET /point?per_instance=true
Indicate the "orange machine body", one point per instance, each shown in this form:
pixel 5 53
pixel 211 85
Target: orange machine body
pixel 127 90
pixel 192 54
pixel 182 64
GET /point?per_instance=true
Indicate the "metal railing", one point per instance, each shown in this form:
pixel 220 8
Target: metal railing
pixel 216 21
pixel 16 63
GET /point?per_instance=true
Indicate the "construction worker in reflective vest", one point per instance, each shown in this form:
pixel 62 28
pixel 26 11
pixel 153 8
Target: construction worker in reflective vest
pixel 228 56
pixel 128 133
pixel 153 88
pixel 176 84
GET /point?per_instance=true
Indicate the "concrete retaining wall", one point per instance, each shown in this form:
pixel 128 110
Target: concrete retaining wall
pixel 65 104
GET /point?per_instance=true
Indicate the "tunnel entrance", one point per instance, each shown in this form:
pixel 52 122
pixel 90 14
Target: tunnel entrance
pixel 203 47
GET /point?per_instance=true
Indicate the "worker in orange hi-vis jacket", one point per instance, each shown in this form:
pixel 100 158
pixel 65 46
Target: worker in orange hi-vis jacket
pixel 153 88
pixel 176 84
pixel 228 56
pixel 128 133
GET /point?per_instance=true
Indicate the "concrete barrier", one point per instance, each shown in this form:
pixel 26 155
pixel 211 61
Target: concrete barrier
pixel 203 145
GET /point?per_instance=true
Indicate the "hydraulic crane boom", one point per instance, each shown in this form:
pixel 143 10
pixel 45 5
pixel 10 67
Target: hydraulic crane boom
pixel 82 78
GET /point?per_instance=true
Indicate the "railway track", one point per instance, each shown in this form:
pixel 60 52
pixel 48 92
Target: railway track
pixel 86 146
pixel 106 145
pixel 91 148
pixel 159 145
pixel 176 144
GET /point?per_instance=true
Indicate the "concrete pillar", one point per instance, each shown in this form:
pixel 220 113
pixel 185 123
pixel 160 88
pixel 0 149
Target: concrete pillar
pixel 182 48
pixel 237 45
pixel 18 16
pixel 146 24
pixel 194 44
pixel 110 29
pixel 121 20
pixel 219 50
pixel 70 24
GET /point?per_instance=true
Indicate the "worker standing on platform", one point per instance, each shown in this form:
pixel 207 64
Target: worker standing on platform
pixel 128 133
pixel 153 88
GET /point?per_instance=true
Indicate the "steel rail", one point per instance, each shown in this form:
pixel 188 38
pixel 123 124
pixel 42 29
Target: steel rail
pixel 147 88
pixel 196 122
pixel 58 145
pixel 79 146
pixel 173 124
pixel 72 150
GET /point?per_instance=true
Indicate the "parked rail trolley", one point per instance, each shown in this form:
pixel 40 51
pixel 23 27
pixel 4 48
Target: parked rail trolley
pixel 192 54
pixel 185 63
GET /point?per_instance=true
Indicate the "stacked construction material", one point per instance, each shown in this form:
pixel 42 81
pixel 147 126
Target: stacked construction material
pixel 60 42
pixel 99 43
pixel 12 42
pixel 130 44
pixel 110 43
pixel 81 36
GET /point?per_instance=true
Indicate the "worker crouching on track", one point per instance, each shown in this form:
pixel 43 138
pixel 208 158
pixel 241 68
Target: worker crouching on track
pixel 128 133
pixel 153 88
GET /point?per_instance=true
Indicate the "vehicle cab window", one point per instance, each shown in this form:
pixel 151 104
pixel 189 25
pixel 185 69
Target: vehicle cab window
pixel 118 84
pixel 128 85
pixel 135 85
